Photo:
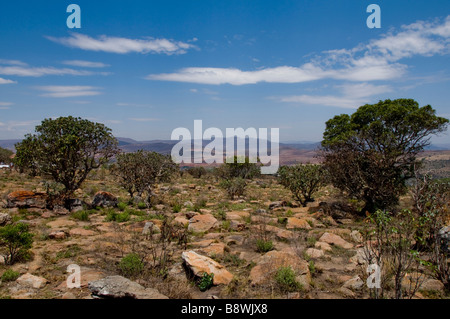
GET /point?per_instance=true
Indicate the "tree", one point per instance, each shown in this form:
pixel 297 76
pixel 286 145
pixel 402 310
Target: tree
pixel 17 240
pixel 372 153
pixel 66 150
pixel 138 172
pixel 239 168
pixel 302 180
pixel 5 156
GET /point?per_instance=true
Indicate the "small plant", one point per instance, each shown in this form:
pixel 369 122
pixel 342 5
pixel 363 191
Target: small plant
pixel 82 215
pixel 177 208
pixel 112 216
pixel 264 246
pixel 206 281
pixel 131 265
pixel 10 275
pixel 142 205
pixel 122 206
pixel 17 240
pixel 312 267
pixel 311 241
pixel 285 279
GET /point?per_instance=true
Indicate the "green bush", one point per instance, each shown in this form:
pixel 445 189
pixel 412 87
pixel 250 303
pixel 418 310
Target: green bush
pixel 17 240
pixel 206 282
pixel 234 187
pixel 122 206
pixel 131 265
pixel 264 246
pixel 142 205
pixel 82 215
pixel 113 216
pixel 286 281
pixel 177 208
pixel 10 275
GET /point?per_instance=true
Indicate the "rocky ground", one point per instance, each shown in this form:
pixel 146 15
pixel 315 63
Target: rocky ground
pixel 191 229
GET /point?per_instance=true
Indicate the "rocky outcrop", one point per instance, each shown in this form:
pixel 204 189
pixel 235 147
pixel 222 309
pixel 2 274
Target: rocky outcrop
pixel 118 287
pixel 30 281
pixel 336 240
pixel 4 219
pixel 199 265
pixel 104 199
pixel 202 223
pixel 268 265
pixel 26 199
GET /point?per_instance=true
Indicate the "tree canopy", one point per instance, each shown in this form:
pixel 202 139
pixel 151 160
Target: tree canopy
pixel 66 149
pixel 371 153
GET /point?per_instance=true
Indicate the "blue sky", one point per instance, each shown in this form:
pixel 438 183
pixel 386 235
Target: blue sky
pixel 144 68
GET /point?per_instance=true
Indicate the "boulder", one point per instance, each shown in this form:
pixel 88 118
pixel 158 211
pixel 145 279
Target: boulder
pixel 118 287
pixel 269 263
pixel 277 204
pixel 4 219
pixel 31 281
pixel 202 223
pixel 26 199
pixel 58 234
pixel 322 246
pixel 104 199
pixel 336 240
pixel 314 253
pixel 356 236
pixel 355 283
pixel 76 204
pixel 200 265
pixel 296 223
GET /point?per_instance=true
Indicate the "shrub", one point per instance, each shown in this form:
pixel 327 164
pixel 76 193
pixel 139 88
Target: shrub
pixel 122 206
pixel 206 282
pixel 264 246
pixel 82 215
pixel 177 208
pixel 17 240
pixel 302 180
pixel 285 278
pixel 10 275
pixel 131 265
pixel 234 187
pixel 196 172
pixel 142 205
pixel 113 216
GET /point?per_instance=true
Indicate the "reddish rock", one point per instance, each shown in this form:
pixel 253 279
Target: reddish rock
pixel 26 199
pixel 336 240
pixel 202 223
pixel 199 265
pixel 296 223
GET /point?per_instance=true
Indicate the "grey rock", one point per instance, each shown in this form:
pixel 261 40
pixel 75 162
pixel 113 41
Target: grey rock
pixel 118 287
pixel 4 219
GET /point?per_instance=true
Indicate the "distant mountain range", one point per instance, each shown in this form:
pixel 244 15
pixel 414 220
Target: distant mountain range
pixel 290 153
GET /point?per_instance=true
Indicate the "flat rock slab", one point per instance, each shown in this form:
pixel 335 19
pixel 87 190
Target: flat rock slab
pixel 199 265
pixel 268 265
pixel 118 287
pixel 61 223
pixel 31 281
pixel 202 223
pixel 336 240
pixel 297 223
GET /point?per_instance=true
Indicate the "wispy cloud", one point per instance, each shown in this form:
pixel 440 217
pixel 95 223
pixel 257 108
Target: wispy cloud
pixel 18 68
pixel 85 64
pixel 68 91
pixel 376 60
pixel 353 96
pixel 142 119
pixel 123 45
pixel 5 105
pixel 5 81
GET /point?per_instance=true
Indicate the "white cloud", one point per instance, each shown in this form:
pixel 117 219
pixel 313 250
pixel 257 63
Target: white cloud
pixel 377 60
pixel 5 105
pixel 40 71
pixel 85 64
pixel 123 45
pixel 5 81
pixel 140 119
pixel 12 62
pixel 68 91
pixel 353 96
